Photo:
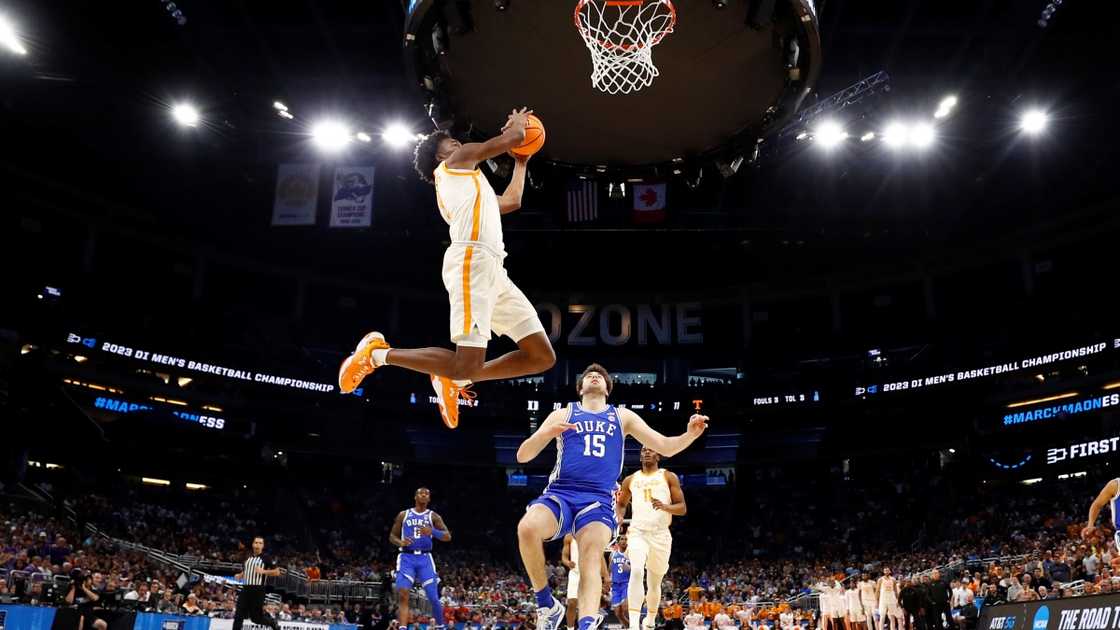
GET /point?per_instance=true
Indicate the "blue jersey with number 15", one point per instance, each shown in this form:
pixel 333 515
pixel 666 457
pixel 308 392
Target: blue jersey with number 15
pixel 589 457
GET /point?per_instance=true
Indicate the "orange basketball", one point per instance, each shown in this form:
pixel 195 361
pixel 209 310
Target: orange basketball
pixel 534 138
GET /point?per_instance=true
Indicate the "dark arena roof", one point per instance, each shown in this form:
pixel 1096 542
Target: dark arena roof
pixel 874 242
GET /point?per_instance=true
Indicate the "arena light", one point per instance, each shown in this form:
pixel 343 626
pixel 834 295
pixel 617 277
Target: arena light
pixel 363 136
pixel 8 37
pixel 895 134
pixel 153 481
pixel 197 486
pixel 78 358
pixel 183 381
pixel 280 107
pixel 285 115
pixel 1033 121
pixel 1031 481
pixel 867 137
pixel 398 136
pixel 945 107
pixel 185 114
pixel 1027 403
pixel 330 135
pixel 921 135
pixel 212 408
pixel 1112 385
pixel 829 134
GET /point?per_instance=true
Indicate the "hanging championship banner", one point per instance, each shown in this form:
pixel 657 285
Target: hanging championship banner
pixel 297 194
pixel 352 201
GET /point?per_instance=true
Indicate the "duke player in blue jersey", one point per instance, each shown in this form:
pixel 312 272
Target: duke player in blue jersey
pixel 620 578
pixel 412 533
pixel 579 498
pixel 1110 496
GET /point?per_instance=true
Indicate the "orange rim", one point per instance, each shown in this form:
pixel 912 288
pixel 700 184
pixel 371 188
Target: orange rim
pixel 627 3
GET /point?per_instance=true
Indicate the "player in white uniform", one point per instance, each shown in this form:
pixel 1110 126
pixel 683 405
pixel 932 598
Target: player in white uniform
pixel 870 600
pixel 1109 495
pixel 656 497
pixel 722 622
pixel 745 616
pixel 890 613
pixel 856 618
pixel 483 298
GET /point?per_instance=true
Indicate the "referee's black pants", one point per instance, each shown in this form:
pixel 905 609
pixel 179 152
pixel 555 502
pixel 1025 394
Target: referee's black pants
pixel 250 605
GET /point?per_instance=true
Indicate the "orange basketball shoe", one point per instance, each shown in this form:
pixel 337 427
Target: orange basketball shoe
pixel 447 396
pixel 359 365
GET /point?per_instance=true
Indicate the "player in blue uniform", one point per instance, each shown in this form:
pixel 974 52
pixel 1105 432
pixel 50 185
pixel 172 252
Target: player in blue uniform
pixel 412 533
pixel 620 577
pixel 579 498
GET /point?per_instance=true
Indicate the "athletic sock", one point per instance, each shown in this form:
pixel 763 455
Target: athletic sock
pixel 545 598
pixel 379 356
pixel 634 616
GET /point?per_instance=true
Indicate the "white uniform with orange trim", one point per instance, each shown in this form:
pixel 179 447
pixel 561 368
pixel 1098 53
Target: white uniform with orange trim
pixel 483 298
pixel 649 543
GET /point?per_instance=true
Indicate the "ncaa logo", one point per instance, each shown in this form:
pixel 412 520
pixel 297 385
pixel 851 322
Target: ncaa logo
pixel 1041 618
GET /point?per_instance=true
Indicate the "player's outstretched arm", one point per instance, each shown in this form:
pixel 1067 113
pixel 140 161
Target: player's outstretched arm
pixel 511 198
pixel 439 530
pixel 1107 492
pixel 395 533
pixel 632 424
pixel 555 424
pixel 468 156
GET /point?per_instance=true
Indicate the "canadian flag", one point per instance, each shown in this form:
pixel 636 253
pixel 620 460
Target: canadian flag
pixel 649 203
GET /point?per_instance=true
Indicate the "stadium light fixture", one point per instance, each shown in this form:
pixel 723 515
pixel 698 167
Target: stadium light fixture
pixel 153 481
pixel 196 486
pixel 286 115
pixel 895 135
pixel 8 37
pixel 945 107
pixel 1033 121
pixel 829 134
pixel 280 107
pixel 867 137
pixel 398 136
pixel 921 135
pixel 185 114
pixel 330 136
pixel 363 136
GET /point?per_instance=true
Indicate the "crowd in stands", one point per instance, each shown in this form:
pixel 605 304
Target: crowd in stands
pixel 773 544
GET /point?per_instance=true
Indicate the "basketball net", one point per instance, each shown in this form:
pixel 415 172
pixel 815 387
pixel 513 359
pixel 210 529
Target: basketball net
pixel 621 35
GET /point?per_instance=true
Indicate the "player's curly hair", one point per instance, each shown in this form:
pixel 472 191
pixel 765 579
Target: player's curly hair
pixel 425 160
pixel 601 371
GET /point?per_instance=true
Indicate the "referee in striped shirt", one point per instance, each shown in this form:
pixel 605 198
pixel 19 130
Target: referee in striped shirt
pixel 250 602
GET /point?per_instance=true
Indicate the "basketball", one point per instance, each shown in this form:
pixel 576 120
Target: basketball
pixel 534 138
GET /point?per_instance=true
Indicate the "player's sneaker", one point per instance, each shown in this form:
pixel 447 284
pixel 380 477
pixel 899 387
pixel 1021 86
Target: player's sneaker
pixel 447 396
pixel 359 365
pixel 550 618
pixel 597 621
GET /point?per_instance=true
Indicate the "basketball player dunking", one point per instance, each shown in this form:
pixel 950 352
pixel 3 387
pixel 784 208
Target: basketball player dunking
pixel 589 437
pixel 412 533
pixel 1109 495
pixel 483 298
pixel 656 497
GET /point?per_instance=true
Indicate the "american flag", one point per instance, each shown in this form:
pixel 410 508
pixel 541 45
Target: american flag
pixel 583 200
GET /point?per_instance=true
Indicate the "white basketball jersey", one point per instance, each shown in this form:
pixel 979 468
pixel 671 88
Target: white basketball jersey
pixel 470 207
pixel 643 489
pixel 886 589
pixel 867 591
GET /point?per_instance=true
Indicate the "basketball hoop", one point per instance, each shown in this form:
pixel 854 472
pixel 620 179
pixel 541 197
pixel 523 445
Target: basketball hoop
pixel 621 35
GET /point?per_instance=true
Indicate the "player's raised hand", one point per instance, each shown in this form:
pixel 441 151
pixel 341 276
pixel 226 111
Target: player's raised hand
pixel 518 118
pixel 697 424
pixel 556 428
